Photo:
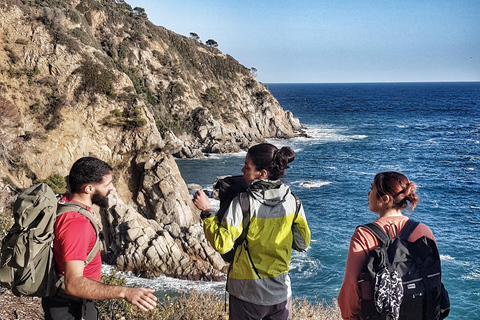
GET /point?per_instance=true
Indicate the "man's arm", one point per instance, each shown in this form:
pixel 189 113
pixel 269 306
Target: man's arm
pixel 79 286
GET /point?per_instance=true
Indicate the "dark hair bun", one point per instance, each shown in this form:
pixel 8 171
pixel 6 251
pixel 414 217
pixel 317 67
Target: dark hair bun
pixel 275 161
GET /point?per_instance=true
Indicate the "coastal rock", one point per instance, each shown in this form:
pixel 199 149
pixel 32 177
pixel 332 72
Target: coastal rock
pixel 149 249
pixel 90 78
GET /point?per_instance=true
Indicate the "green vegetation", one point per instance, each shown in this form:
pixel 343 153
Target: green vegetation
pixel 49 113
pixel 95 79
pixel 84 36
pixel 56 182
pixel 128 119
pixel 183 65
pixel 211 43
pixel 140 12
pixel 32 73
pixel 194 36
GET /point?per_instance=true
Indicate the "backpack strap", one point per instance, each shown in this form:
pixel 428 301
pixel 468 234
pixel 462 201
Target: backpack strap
pixel 408 229
pixel 64 207
pixel 375 230
pixel 298 202
pixel 244 199
pixel 382 237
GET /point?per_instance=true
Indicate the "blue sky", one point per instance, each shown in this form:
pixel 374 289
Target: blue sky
pixel 334 41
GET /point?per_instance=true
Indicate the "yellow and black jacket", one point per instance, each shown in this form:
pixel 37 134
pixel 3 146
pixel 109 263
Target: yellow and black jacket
pixel 260 274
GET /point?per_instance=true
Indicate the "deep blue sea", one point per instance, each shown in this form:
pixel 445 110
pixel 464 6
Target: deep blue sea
pixel 428 131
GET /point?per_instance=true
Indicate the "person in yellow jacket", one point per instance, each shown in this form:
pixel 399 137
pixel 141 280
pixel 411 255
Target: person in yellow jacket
pixel 258 280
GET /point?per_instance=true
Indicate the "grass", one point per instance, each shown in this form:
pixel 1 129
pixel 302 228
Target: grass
pixel 198 306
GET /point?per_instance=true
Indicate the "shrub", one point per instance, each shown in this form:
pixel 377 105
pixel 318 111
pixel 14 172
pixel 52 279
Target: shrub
pixel 95 79
pixel 56 182
pixel 212 95
pixel 137 120
pixel 6 222
pixel 32 73
pixel 85 37
pixel 128 118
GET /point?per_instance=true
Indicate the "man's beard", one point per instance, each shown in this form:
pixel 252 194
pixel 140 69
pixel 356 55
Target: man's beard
pixel 100 200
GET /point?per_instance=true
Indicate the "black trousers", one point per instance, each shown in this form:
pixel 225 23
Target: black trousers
pixel 57 308
pixel 243 310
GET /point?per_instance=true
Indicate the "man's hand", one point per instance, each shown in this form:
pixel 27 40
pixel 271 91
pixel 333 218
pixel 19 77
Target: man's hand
pixel 200 200
pixel 79 286
pixel 141 297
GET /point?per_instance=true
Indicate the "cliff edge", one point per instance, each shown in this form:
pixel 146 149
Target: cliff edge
pixel 97 78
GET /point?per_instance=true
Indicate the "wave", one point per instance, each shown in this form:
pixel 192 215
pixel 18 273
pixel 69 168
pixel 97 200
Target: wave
pixel 364 173
pixel 210 156
pixel 446 257
pixel 167 284
pixel 314 184
pixel 317 133
pixel 474 275
pixel 304 265
pixel 329 134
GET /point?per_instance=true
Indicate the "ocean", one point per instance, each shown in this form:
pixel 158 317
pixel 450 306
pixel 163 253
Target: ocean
pixel 428 131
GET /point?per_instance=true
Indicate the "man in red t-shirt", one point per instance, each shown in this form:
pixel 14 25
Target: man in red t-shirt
pixel 90 183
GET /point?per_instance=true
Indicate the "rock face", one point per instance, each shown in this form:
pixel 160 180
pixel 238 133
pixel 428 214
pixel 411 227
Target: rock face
pixel 167 237
pixel 150 248
pixel 97 78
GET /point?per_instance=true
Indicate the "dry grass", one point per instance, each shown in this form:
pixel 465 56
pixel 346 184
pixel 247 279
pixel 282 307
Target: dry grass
pixel 319 310
pixel 203 306
pixel 191 306
pixel 199 306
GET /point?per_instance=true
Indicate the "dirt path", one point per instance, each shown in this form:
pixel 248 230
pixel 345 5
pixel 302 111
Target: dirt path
pixel 21 308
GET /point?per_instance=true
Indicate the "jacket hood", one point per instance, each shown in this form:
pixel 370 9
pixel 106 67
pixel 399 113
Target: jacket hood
pixel 269 192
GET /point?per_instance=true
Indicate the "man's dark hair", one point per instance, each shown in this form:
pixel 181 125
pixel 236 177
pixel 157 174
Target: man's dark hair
pixel 87 170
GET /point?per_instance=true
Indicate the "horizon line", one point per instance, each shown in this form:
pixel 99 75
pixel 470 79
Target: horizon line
pixel 376 82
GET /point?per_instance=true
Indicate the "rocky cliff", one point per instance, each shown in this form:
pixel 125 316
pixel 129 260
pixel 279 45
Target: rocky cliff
pixel 97 78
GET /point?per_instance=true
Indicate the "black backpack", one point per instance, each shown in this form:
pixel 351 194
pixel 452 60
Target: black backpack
pixel 228 188
pixel 402 279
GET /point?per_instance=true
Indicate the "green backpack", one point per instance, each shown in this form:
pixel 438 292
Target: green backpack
pixel 26 256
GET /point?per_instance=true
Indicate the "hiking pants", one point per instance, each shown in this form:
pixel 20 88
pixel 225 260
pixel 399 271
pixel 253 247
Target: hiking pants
pixel 56 308
pixel 243 310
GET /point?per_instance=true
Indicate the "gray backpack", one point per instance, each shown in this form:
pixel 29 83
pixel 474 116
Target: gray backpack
pixel 26 256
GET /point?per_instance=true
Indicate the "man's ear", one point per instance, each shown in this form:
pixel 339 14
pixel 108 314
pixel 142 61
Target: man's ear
pixel 88 189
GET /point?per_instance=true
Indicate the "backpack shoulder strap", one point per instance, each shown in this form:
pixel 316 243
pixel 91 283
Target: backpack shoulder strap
pixel 64 207
pixel 298 203
pixel 244 201
pixel 375 230
pixel 408 229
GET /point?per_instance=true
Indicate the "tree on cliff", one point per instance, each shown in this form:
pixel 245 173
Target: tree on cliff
pixel 194 36
pixel 211 43
pixel 140 12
